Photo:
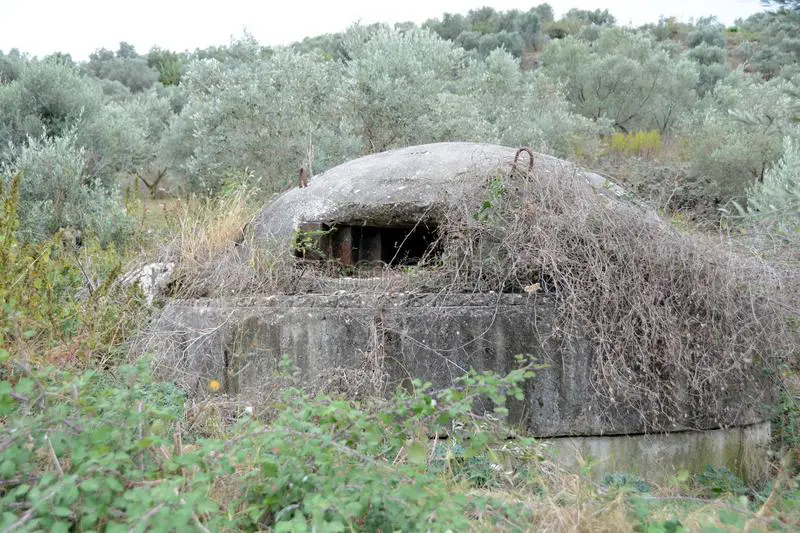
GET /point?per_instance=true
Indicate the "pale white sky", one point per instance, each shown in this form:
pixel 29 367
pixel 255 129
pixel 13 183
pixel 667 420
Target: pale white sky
pixel 79 27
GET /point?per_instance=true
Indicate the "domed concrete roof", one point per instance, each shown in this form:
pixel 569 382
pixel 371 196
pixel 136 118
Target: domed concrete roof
pixel 401 186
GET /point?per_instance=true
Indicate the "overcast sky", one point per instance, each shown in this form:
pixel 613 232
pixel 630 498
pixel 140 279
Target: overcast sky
pixel 79 27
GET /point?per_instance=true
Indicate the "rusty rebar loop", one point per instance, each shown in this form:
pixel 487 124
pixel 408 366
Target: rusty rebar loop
pixel 515 165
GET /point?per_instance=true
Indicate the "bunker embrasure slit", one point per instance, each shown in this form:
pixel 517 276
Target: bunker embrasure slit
pixel 354 244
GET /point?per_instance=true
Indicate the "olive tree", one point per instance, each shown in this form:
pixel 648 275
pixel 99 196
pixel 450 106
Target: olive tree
pixel 622 76
pixel 527 109
pixel 711 63
pixel 597 17
pixel 125 67
pixel 530 28
pixel 56 192
pixel 776 199
pixel 393 84
pixel 116 132
pixel 10 65
pixel 47 98
pixel 708 32
pixel 259 117
pixel 168 64
pixel 544 12
pixel 484 20
pixel 777 50
pixel 511 42
pixel 450 27
pixel 736 133
pixel 123 138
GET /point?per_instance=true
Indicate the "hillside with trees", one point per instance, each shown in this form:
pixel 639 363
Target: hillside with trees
pixel 123 159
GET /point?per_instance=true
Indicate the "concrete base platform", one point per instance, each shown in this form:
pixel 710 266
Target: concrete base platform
pixel 436 338
pixel 658 457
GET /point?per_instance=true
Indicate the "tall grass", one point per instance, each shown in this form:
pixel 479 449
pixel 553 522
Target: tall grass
pixel 640 143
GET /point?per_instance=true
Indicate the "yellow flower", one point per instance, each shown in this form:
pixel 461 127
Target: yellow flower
pixel 213 385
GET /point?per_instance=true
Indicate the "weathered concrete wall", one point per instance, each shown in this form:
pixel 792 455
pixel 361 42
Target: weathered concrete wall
pixel 435 338
pixel 743 450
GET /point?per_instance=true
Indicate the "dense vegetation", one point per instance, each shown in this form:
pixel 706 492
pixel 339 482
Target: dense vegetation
pixel 110 160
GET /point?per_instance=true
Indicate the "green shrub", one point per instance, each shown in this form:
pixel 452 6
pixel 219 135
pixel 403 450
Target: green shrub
pixel 786 421
pixel 324 464
pixel 70 463
pixel 717 481
pixel 626 481
pixel 35 286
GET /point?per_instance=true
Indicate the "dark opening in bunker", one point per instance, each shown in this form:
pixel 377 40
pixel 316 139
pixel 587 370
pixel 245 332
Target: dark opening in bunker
pixel 357 243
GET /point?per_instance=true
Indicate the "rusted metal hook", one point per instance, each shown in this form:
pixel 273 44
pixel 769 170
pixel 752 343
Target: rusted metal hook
pixel 302 178
pixel 515 167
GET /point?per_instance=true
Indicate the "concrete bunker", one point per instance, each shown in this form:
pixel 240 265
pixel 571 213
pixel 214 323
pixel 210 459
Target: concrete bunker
pixel 390 210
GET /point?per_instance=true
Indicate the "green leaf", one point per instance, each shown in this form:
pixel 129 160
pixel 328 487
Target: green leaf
pixel 25 386
pixel 115 527
pixel 60 527
pixel 144 443
pixel 8 468
pixel 417 453
pixel 88 520
pixel 269 469
pixel 8 519
pixel 69 495
pixel 335 527
pixel 114 484
pixel 90 485
pixel 207 506
pixel 731 518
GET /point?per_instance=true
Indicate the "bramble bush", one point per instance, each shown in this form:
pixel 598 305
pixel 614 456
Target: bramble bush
pixel 324 464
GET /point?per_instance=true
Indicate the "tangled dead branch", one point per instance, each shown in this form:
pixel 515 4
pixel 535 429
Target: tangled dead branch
pixel 677 323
